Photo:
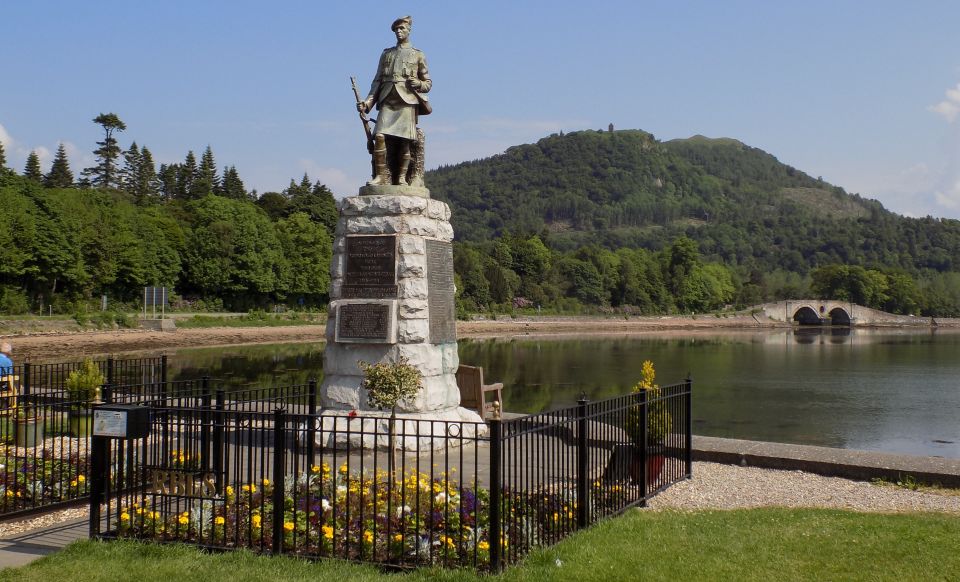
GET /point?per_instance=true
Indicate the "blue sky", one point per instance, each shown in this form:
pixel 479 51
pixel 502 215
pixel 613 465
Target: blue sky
pixel 864 94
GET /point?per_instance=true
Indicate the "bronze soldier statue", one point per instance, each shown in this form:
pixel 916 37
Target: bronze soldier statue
pixel 399 93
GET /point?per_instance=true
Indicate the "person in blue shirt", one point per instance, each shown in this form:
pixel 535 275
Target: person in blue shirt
pixel 6 362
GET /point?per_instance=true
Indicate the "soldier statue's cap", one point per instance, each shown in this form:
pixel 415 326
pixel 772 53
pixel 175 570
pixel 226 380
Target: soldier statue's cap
pixel 403 19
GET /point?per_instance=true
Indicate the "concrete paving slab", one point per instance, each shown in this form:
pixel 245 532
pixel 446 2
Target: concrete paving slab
pixel 23 548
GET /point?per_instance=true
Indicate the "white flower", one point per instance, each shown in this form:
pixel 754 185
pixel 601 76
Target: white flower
pixel 325 505
pixel 401 511
pixel 441 498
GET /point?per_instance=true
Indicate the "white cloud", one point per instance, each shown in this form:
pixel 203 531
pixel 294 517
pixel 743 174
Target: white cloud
pixel 5 138
pixel 338 181
pixel 949 108
pixel 950 198
pixel 46 158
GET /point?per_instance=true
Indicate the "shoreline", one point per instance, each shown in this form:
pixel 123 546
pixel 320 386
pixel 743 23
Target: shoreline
pixel 72 345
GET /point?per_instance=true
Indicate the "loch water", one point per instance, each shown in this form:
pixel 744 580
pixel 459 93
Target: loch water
pixel 883 390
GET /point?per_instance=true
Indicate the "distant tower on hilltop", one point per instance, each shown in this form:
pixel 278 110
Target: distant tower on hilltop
pixel 610 128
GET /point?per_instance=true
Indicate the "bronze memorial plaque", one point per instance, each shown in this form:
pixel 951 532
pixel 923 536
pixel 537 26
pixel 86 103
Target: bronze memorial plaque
pixel 440 292
pixel 371 268
pixel 364 322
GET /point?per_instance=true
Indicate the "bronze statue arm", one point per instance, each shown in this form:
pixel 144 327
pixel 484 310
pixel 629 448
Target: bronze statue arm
pixel 422 82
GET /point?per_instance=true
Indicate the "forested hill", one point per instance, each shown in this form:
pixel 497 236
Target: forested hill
pixel 741 205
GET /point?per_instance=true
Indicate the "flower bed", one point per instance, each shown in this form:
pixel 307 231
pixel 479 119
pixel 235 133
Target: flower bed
pixel 27 482
pixel 408 520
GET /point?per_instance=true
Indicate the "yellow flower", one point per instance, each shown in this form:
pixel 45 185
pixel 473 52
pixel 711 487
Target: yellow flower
pixel 343 468
pixel 325 468
pixel 81 478
pixel 184 520
pixel 139 511
pixel 266 482
pixel 327 532
pixel 72 484
pixel 398 537
pixel 288 525
pixel 124 516
pixel 10 492
pixel 314 469
pixel 229 490
pixel 220 520
pixel 483 546
pixel 368 536
pixel 256 520
pixel 249 488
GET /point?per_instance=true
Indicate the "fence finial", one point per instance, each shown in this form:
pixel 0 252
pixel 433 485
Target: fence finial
pixel 496 410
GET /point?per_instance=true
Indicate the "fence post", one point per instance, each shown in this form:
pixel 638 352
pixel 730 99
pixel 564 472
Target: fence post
pixel 496 484
pixel 583 489
pixel 110 370
pixel 218 440
pixel 689 412
pixel 205 428
pixel 644 410
pixel 25 380
pixel 279 450
pixel 99 470
pixel 312 423
pixel 163 369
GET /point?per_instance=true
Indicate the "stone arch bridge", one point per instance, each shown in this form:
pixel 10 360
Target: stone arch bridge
pixel 831 312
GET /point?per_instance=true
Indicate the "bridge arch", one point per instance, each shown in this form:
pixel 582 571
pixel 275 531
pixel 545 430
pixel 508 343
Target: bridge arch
pixel 807 315
pixel 839 316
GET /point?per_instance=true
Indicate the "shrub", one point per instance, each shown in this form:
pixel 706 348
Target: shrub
pixel 82 384
pixel 659 420
pixel 13 301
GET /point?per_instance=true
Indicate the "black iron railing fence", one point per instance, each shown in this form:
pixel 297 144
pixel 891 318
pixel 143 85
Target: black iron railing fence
pixel 221 472
pixel 44 432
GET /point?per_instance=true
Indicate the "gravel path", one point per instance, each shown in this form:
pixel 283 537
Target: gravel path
pixel 716 486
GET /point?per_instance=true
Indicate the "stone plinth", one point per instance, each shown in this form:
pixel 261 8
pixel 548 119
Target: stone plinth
pixel 392 297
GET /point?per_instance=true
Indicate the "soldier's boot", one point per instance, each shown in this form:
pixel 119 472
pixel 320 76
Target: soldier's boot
pixel 381 170
pixel 404 167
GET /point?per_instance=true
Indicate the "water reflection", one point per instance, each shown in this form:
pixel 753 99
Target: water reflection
pixel 893 390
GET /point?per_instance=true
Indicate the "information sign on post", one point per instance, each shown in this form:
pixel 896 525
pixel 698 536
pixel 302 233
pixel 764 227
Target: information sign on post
pixel 154 296
pixel 121 421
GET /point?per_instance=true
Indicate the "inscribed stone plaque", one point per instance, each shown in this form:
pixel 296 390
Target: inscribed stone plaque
pixel 371 267
pixel 440 292
pixel 365 322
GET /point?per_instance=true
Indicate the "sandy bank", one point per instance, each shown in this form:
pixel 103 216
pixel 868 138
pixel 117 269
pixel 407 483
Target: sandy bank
pixel 71 345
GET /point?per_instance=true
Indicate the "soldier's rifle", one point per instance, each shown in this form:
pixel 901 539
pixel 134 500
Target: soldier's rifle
pixel 363 116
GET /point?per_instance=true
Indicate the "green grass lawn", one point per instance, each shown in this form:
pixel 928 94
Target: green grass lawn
pixel 763 544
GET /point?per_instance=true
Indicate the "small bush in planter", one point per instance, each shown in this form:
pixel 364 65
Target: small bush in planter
pixel 659 420
pixel 387 384
pixel 82 384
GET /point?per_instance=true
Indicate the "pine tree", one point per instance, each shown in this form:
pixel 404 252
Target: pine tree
pixel 233 185
pixel 60 175
pixel 131 165
pixel 207 180
pixel 167 175
pixel 148 184
pixel 186 176
pixel 3 158
pixel 32 169
pixel 104 174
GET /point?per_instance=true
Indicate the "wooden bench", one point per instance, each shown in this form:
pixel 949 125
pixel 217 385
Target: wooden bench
pixel 476 395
